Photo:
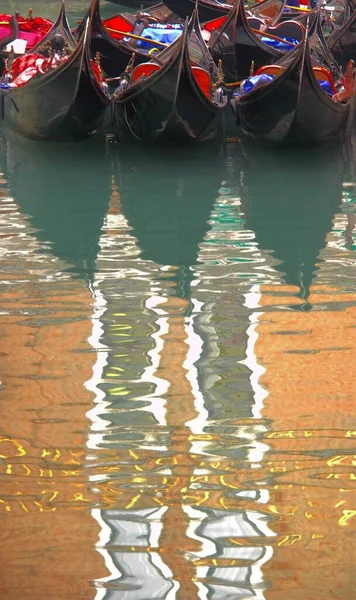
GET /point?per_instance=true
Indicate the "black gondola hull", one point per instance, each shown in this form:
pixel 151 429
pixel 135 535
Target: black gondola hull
pixel 286 118
pixel 270 116
pixel 293 108
pixel 134 3
pixel 245 55
pixel 169 106
pixel 167 112
pixel 67 103
pixel 207 10
pixel 212 9
pixel 65 107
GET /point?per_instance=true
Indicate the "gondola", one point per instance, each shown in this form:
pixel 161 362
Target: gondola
pixel 341 11
pixel 242 50
pixel 134 3
pixel 176 96
pixel 342 42
pixel 158 13
pixel 116 49
pixel 208 9
pixel 65 102
pixel 292 106
pixel 213 9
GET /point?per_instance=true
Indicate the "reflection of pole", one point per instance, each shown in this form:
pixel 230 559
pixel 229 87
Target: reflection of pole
pixel 230 245
pixel 178 407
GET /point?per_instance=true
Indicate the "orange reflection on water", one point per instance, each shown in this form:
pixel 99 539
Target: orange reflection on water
pixel 309 359
pixel 235 502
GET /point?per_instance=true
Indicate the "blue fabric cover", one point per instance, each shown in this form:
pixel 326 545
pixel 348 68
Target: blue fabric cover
pixel 279 45
pixel 159 34
pixel 326 87
pixel 250 83
pixel 257 80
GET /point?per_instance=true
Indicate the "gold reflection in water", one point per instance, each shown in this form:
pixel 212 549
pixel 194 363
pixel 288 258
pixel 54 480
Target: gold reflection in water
pixel 309 359
pixel 183 517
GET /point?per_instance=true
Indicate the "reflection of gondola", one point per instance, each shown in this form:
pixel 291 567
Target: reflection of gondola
pixel 172 97
pixel 293 107
pixel 166 207
pixel 66 217
pixel 168 211
pixel 289 201
pixel 64 102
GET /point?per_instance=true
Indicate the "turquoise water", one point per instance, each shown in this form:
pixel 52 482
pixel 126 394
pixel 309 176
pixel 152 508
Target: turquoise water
pixel 176 371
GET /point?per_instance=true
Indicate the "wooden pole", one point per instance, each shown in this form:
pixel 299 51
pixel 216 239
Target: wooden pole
pixel 273 37
pixel 300 8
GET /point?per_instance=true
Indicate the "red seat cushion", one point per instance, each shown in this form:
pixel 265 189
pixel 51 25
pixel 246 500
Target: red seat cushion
pixel 323 74
pixel 144 70
pixel 215 24
pixel 203 80
pixel 115 24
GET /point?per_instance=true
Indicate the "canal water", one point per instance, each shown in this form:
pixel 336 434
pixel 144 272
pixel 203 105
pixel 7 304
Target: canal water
pixel 177 366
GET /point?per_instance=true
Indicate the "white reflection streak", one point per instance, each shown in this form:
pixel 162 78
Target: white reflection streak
pixel 252 300
pixel 195 344
pixel 98 424
pixel 258 449
pixel 196 516
pixel 104 540
pixel 156 527
pixel 260 394
pixel 157 407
